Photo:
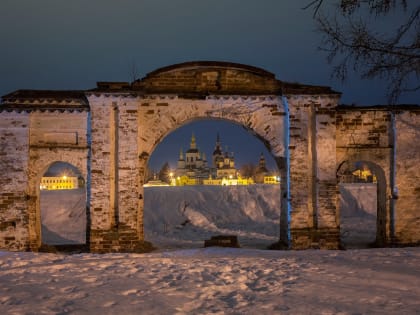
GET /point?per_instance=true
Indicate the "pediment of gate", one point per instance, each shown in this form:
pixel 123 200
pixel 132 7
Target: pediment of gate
pixel 209 77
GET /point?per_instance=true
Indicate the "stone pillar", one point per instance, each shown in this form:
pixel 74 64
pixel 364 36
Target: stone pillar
pixel 14 199
pixel 406 193
pixel 116 212
pixel 312 172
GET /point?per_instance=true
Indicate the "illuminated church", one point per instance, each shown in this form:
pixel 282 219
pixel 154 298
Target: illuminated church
pixel 192 164
pixel 193 169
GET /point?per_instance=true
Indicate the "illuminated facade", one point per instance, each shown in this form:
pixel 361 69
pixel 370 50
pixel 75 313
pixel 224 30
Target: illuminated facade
pixel 192 164
pixel 192 167
pixel 59 183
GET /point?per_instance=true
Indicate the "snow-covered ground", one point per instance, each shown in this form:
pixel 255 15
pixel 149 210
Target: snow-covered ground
pixel 182 277
pixel 213 281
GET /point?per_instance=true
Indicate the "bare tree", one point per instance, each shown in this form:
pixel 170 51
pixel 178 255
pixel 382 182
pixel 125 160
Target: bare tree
pixel 355 39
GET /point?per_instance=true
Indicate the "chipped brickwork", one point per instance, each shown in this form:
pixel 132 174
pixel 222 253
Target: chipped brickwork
pixel 109 134
pixel 312 171
pixel 142 123
pixel 363 136
pixel 14 148
pixel 407 181
pixel 26 154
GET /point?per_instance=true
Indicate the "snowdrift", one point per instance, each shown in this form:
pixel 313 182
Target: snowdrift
pixel 186 216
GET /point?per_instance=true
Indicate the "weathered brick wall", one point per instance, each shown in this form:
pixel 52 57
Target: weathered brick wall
pixel 407 206
pixel 312 171
pixel 128 165
pixel 363 135
pixel 159 115
pixel 117 191
pixel 14 148
pixel 127 122
pixel 55 136
pixel 125 131
pixel 211 78
pixel 100 163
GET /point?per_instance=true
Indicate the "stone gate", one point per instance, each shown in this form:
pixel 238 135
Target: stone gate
pixel 109 133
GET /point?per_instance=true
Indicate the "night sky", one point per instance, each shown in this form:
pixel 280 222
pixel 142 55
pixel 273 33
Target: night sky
pixel 73 44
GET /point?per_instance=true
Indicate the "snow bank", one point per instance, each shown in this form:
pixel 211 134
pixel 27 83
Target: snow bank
pixel 63 216
pixel 358 212
pixel 186 216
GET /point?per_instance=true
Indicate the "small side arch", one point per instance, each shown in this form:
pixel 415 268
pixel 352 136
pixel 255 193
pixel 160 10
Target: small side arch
pixel 359 171
pixel 37 168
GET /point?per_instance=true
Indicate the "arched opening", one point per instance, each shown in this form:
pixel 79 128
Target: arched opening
pixel 63 214
pixel 211 177
pixel 362 204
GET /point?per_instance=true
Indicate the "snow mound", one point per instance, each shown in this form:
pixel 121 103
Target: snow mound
pixel 63 216
pixel 186 216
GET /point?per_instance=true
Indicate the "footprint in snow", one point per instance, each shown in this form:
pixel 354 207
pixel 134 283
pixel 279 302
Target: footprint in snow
pixel 129 292
pixel 109 304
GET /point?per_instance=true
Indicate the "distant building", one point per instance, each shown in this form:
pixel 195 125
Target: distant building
pixel 155 183
pixel 59 182
pixel 192 169
pixel 261 171
pixel 263 175
pixel 192 165
pixel 271 179
pixel 228 181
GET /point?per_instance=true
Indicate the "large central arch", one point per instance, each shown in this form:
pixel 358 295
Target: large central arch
pixel 166 99
pixel 128 122
pixel 263 116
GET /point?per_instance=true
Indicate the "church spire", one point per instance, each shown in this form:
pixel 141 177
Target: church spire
pixel 181 154
pixel 261 163
pixel 193 144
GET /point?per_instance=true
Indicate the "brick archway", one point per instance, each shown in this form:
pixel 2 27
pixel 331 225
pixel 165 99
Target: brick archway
pixel 110 132
pixel 161 102
pixel 346 168
pixel 37 168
